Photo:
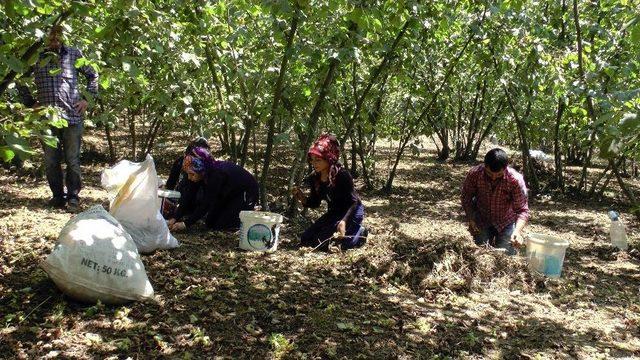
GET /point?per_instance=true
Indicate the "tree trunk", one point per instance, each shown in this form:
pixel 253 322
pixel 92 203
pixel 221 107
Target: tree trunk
pixel 233 148
pixel 107 130
pixel 248 129
pixel 361 152
pixel 374 76
pixel 594 186
pixel 436 94
pixel 153 134
pixel 527 166
pixel 277 95
pixel 487 130
pixel 625 189
pixel 312 125
pixel 590 108
pixel 557 149
pixel 403 144
pixel 445 152
pixel 132 133
pixel 354 165
pixel 255 156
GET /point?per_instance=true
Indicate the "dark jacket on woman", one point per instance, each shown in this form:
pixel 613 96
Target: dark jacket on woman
pixel 228 189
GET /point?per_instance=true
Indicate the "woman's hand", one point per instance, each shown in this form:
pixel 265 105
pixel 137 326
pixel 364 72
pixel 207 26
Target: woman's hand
pixel 298 194
pixel 342 228
pixel 517 241
pixel 473 228
pixel 179 226
pixel 170 222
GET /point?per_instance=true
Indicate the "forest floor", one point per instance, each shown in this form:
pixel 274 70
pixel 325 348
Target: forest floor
pixel 418 289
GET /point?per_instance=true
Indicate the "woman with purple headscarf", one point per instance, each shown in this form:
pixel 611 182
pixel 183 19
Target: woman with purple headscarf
pixel 179 181
pixel 228 189
pixel 333 183
pixel 177 177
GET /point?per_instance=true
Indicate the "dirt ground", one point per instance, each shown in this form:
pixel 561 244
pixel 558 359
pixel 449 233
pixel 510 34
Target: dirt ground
pixel 418 289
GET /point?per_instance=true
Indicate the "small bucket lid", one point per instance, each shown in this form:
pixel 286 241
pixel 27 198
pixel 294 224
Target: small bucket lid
pixel 261 215
pixel 547 240
pixel 171 194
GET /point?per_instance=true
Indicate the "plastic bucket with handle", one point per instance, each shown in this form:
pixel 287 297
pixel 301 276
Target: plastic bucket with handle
pixel 167 194
pixel 259 230
pixel 168 201
pixel 545 254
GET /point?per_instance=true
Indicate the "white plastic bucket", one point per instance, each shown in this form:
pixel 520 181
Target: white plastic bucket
pixel 545 254
pixel 167 194
pixel 259 230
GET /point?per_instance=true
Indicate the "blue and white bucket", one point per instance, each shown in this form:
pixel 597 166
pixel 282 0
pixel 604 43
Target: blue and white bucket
pixel 259 230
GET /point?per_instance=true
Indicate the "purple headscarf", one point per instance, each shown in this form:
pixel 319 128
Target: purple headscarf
pixel 198 161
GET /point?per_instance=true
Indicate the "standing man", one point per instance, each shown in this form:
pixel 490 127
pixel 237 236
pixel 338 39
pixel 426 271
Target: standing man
pixel 56 80
pixel 494 198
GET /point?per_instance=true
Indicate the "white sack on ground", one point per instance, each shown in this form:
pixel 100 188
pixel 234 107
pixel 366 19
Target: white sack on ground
pixel 133 192
pixel 96 259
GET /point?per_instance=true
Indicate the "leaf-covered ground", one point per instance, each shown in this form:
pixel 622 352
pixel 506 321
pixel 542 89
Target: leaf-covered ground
pixel 419 289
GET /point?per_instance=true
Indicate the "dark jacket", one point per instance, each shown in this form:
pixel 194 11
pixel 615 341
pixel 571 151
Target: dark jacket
pixel 341 198
pixel 225 181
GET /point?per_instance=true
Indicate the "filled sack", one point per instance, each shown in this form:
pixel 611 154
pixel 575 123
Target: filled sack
pixel 96 259
pixel 133 192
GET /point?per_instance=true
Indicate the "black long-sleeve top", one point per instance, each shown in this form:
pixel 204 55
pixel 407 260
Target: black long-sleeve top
pixel 223 182
pixel 342 198
pixel 174 175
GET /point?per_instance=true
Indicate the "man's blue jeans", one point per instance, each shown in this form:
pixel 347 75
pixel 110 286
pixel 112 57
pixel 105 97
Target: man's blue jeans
pixel 502 240
pixel 69 140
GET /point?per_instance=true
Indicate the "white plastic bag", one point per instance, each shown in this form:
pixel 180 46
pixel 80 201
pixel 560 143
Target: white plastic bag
pixel 133 191
pixel 96 259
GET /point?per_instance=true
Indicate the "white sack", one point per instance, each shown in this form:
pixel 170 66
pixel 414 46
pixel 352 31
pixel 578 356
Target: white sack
pixel 96 259
pixel 133 192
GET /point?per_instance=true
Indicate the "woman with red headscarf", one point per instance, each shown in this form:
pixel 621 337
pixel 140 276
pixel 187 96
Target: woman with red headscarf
pixel 332 183
pixel 228 189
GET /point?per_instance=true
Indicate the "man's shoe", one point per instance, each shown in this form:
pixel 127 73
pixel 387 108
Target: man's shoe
pixel 57 202
pixel 73 205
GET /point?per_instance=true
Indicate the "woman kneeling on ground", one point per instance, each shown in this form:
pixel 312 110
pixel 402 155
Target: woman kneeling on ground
pixel 177 177
pixel 331 182
pixel 228 189
pixel 179 181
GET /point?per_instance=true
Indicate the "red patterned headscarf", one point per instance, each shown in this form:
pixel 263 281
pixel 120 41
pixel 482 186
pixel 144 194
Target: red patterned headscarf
pixel 327 148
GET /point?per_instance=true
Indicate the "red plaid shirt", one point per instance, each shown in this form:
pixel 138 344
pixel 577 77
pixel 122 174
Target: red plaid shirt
pixel 496 203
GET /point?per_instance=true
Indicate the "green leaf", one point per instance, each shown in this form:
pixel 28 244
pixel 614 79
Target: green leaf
pixel 6 154
pixel 130 68
pixel 105 82
pixel 14 64
pixel 635 33
pixel 54 118
pixel 630 122
pixel 22 149
pixel 281 138
pixel 54 72
pixel 49 140
pixel 18 144
pixel 81 62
